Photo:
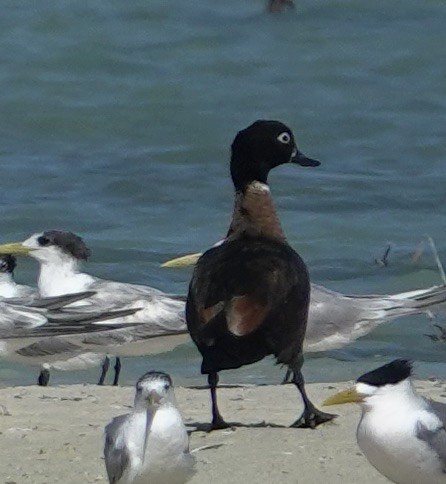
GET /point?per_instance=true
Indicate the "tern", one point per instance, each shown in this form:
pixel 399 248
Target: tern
pixel 8 287
pixel 336 319
pixel 60 255
pixel 400 433
pixel 150 444
pixel 47 318
pixel 249 296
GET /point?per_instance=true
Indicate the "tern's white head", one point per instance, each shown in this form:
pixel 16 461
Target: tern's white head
pixel 51 247
pixel 154 389
pixel 60 254
pixel 386 384
pixel 55 246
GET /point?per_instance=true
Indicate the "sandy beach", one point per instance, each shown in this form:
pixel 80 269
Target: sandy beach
pixel 55 434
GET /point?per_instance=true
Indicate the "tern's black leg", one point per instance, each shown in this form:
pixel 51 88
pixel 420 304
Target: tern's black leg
pixel 44 378
pixel 105 367
pixel 217 419
pixel 311 416
pixel 287 377
pixel 117 371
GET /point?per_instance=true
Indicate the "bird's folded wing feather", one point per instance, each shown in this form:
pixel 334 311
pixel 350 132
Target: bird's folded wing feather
pixel 435 436
pixel 243 291
pixel 117 456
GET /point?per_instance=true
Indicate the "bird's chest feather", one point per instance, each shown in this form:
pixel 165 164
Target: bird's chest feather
pixel 391 445
pixel 255 214
pixel 8 288
pixel 55 281
pixel 157 453
pixel 166 439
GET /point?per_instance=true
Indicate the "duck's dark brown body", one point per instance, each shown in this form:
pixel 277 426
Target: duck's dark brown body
pixel 248 298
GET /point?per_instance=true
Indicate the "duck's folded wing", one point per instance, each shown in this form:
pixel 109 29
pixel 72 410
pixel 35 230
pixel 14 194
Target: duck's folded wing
pixel 240 293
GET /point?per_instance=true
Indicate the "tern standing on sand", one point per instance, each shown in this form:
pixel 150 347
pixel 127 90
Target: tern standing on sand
pixel 60 255
pixel 149 445
pixel 401 434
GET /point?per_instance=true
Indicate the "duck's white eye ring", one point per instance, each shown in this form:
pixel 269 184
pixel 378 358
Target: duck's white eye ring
pixel 284 138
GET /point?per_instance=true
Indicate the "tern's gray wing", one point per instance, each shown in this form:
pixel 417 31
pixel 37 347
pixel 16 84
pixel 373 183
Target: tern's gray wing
pixel 336 319
pixel 111 293
pixel 435 438
pixel 19 318
pixel 106 318
pixel 131 334
pixel 49 347
pixel 333 320
pixel 150 306
pixel 24 322
pixel 116 453
pixel 57 302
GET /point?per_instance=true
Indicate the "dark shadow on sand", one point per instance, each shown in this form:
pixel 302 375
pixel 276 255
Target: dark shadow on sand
pixel 206 427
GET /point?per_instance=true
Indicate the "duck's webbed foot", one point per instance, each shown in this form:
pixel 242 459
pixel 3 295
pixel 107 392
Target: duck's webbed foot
pixel 311 416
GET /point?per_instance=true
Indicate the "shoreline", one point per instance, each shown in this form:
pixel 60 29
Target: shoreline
pixel 55 434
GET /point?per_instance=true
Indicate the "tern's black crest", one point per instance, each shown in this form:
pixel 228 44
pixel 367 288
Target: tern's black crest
pixel 7 263
pixel 70 243
pixel 390 374
pixel 154 375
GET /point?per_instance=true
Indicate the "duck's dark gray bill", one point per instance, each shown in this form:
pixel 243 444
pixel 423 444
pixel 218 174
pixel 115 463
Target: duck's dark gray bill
pixel 302 160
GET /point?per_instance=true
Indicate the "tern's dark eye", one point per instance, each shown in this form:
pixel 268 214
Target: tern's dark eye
pixel 284 138
pixel 166 386
pixel 43 241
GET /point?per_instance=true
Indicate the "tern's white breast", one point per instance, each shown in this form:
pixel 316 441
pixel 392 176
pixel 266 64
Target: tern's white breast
pixel 392 447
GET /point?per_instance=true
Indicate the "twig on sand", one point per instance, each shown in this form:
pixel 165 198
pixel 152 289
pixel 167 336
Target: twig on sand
pixel 206 447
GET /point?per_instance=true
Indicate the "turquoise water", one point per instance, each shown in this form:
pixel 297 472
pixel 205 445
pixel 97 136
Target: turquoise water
pixel 116 120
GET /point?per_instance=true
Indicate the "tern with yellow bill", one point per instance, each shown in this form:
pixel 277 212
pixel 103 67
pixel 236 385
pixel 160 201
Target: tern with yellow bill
pixel 336 319
pixel 150 444
pixel 150 312
pixel 400 433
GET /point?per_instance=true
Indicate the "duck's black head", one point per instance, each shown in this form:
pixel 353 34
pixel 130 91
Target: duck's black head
pixel 7 264
pixel 390 374
pixel 259 148
pixel 68 242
